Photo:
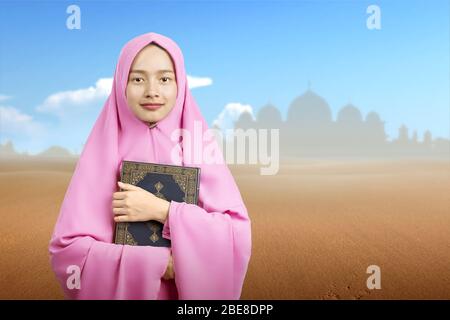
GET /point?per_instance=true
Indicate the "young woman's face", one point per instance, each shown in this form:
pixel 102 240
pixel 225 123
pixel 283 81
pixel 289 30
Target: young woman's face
pixel 152 87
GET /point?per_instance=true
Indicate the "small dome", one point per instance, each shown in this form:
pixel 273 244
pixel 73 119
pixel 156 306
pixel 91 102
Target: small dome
pixel 269 114
pixel 309 108
pixel 245 117
pixel 373 117
pixel 244 121
pixel 349 114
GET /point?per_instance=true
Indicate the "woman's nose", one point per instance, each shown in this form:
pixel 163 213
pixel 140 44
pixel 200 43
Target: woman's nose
pixel 151 91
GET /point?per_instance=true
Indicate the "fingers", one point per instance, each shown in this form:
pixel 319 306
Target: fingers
pixel 121 216
pixel 126 205
pixel 127 186
pixel 119 195
pixel 119 204
pixel 120 211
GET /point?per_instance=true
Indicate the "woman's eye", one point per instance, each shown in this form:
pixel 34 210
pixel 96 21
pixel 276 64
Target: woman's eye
pixel 137 80
pixel 165 79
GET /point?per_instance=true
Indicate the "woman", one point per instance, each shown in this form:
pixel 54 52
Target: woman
pixel 147 118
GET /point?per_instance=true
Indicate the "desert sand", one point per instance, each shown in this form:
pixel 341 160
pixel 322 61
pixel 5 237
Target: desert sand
pixel 316 227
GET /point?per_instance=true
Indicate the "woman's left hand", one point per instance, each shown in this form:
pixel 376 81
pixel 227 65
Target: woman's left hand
pixel 136 204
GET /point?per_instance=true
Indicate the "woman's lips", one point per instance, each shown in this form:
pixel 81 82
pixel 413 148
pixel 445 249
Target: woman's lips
pixel 152 106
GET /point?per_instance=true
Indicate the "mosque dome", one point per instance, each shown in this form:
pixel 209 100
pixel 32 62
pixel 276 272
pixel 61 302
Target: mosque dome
pixel 244 121
pixel 245 117
pixel 349 114
pixel 268 114
pixel 373 117
pixel 309 108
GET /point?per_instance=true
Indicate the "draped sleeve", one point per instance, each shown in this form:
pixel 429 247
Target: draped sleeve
pixel 108 271
pixel 81 246
pixel 211 250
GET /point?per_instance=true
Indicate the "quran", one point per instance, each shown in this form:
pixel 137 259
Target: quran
pixel 168 182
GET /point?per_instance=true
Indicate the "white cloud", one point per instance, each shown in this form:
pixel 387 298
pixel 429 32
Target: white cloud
pixel 13 121
pixel 76 111
pixel 4 97
pixel 197 82
pixel 230 114
pixel 58 102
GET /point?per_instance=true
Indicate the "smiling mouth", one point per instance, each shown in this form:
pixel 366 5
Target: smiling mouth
pixel 151 106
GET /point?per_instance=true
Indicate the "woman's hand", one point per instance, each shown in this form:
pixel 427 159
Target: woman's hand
pixel 170 271
pixel 136 204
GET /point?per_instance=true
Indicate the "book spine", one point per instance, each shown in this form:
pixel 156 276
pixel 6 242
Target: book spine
pixel 198 186
pixel 120 233
pixel 119 237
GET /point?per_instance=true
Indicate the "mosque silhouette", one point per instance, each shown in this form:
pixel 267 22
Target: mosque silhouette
pixel 310 129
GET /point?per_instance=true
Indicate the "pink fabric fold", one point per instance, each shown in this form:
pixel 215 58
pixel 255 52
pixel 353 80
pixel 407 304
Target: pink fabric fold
pixel 211 241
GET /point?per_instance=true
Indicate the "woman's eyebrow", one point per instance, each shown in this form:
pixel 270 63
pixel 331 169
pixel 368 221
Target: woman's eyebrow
pixel 165 71
pixel 159 71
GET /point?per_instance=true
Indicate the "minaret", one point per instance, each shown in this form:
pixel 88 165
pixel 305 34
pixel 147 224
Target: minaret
pixel 427 139
pixel 403 136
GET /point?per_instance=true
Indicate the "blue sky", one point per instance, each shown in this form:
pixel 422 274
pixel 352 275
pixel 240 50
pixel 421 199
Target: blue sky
pixel 253 51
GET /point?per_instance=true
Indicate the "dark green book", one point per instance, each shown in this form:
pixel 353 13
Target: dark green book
pixel 169 182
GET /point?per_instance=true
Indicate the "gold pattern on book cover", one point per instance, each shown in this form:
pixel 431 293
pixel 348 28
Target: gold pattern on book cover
pixel 184 177
pixel 158 187
pixel 154 237
pixel 134 172
pixel 129 239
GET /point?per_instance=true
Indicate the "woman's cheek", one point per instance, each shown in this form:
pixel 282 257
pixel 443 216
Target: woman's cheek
pixel 170 91
pixel 134 93
pixel 137 93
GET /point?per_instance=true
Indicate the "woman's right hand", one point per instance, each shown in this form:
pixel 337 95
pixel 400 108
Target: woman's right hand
pixel 170 272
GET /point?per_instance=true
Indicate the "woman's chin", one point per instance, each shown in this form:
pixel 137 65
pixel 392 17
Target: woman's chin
pixel 150 118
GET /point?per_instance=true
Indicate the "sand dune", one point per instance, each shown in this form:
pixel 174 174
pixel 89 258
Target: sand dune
pixel 317 226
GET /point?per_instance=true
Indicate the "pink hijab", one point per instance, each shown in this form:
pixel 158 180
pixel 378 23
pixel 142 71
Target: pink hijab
pixel 211 242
